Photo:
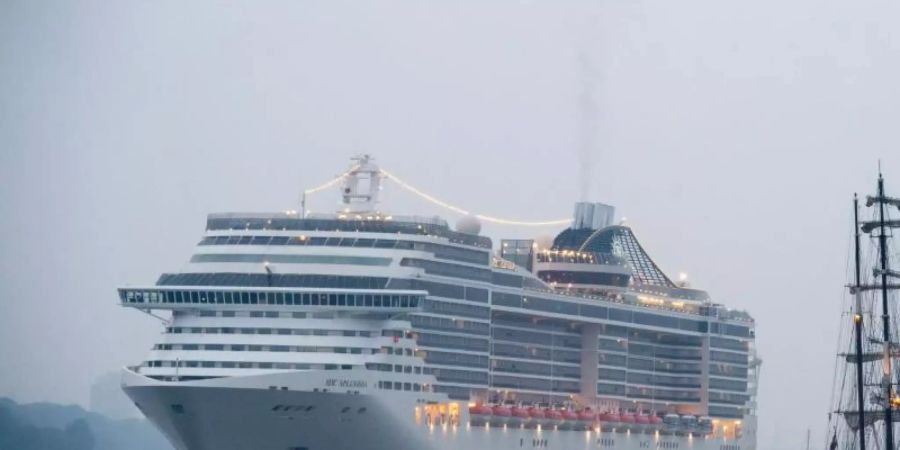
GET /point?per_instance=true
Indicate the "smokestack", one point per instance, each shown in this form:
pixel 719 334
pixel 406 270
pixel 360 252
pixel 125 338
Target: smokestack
pixel 593 216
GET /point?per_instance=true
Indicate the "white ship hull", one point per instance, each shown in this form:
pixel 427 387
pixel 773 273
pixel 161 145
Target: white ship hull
pixel 232 414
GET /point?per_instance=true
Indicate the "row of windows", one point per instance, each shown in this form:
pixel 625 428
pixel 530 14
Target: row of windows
pixel 280 222
pixel 289 259
pixel 449 270
pixel 726 411
pixel 245 365
pixel 268 298
pixel 533 368
pixel 651 365
pixel 455 325
pixel 426 339
pixel 456 359
pixel 528 322
pixel 595 278
pixel 659 352
pixel 509 280
pixel 662 394
pixel 398 386
pixel 436 289
pixel 727 385
pixel 537 353
pixel 669 339
pixel 535 384
pixel 729 344
pixel 611 389
pixel 263 348
pixel 615 345
pixel 266 314
pixel 439 251
pixel 731 330
pixel 457 392
pixel 607 259
pixel 605 374
pixel 598 312
pixel 456 309
pixel 277 331
pixel 663 380
pixel 728 398
pixel 728 370
pixel 532 337
pixel 459 376
pixel 612 359
pixel 728 357
pixel 398 368
pixel 271 280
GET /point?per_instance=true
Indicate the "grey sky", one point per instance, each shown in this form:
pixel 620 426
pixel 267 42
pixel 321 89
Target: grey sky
pixel 731 134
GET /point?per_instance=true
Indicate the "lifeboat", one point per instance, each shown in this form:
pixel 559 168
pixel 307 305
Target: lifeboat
pixel 519 416
pixel 705 425
pixel 656 422
pixel 628 421
pixel 671 423
pixel 614 421
pixel 585 420
pixel 500 415
pixel 553 418
pixel 642 422
pixel 536 417
pixel 480 414
pixel 688 423
pixel 569 420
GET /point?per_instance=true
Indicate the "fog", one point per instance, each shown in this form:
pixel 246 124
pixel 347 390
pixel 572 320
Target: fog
pixel 731 134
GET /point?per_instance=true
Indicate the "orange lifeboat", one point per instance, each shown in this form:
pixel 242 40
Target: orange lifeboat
pixel 520 416
pixel 628 421
pixel 585 419
pixel 536 417
pixel 642 422
pixel 553 418
pixel 569 419
pixel 613 421
pixel 480 414
pixel 500 415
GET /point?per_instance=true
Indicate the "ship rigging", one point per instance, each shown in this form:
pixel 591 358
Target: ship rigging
pixel 865 414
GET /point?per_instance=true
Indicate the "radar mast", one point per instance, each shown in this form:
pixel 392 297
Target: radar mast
pixel 361 186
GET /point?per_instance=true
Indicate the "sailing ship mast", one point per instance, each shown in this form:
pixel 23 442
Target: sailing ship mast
pixel 872 402
pixel 886 318
pixel 858 325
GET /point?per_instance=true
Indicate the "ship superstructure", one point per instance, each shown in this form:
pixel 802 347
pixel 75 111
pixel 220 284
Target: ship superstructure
pixel 363 330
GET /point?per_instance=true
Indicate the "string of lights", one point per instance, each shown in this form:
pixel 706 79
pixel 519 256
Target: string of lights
pixel 434 200
pixel 330 182
pixel 459 210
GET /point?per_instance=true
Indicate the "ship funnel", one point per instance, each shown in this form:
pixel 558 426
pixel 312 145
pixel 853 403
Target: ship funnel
pixel 593 216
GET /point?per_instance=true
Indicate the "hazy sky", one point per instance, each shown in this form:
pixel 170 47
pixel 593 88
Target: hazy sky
pixel 732 135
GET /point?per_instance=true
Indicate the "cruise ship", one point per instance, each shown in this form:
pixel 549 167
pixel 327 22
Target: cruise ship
pixel 362 330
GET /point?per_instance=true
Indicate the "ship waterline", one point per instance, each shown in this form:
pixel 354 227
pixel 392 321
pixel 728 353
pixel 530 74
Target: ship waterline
pixel 365 330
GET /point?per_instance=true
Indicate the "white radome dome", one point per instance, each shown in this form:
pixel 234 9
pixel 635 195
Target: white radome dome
pixel 468 225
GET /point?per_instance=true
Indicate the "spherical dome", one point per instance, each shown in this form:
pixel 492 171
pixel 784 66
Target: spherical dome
pixel 468 225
